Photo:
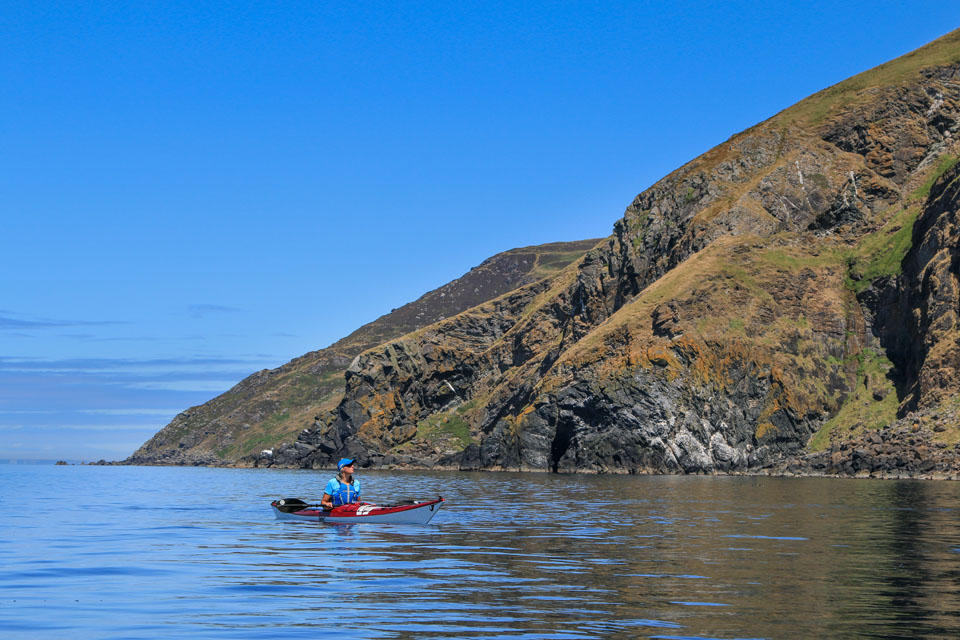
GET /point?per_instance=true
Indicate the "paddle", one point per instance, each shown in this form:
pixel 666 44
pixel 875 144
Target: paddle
pixel 289 505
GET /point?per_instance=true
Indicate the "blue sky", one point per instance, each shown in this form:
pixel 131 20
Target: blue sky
pixel 190 192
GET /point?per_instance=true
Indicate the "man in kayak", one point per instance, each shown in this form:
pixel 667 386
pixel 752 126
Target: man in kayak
pixel 343 489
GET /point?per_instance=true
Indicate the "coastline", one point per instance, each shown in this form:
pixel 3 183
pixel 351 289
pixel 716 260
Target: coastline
pixel 784 469
pixel 910 448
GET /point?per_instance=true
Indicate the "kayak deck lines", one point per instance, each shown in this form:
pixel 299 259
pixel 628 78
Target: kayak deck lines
pixel 413 512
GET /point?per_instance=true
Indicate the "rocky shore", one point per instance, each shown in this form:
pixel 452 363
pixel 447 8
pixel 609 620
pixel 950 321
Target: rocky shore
pixel 909 448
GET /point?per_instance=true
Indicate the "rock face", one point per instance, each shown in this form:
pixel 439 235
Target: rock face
pixel 792 289
pixel 932 297
pixel 271 407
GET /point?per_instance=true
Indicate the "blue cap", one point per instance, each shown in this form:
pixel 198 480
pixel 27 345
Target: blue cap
pixel 343 462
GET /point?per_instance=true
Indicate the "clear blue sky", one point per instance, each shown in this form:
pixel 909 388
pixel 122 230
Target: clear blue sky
pixel 191 191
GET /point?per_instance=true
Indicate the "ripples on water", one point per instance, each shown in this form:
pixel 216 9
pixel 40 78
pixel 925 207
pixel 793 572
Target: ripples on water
pixel 143 552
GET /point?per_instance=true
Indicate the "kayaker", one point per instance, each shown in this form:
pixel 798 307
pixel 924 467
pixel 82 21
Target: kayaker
pixel 342 489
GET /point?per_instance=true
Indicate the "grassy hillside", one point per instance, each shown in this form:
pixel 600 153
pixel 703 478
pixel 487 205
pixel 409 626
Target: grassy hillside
pixel 273 406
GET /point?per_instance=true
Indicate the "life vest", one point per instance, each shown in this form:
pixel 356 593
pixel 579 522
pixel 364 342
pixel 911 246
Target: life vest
pixel 345 493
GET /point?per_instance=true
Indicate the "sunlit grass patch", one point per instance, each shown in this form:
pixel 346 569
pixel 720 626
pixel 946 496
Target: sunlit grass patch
pixel 862 411
pixel 947 162
pixel 881 253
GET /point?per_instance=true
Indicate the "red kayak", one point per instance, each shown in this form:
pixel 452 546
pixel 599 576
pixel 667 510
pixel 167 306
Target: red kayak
pixel 414 512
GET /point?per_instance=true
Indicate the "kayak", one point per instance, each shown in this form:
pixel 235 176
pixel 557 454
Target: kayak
pixel 412 512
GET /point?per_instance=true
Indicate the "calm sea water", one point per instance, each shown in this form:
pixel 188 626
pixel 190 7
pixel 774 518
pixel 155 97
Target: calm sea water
pixel 143 552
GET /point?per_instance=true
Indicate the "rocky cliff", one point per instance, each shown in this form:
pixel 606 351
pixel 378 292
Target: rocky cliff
pixel 272 406
pixel 769 305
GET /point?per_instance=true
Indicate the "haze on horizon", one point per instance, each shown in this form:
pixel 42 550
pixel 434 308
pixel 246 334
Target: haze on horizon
pixel 193 194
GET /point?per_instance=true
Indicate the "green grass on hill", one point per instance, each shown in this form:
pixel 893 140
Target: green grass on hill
pixel 947 162
pixel 881 253
pixel 550 263
pixel 297 403
pixel 861 410
pixel 450 425
pixel 943 51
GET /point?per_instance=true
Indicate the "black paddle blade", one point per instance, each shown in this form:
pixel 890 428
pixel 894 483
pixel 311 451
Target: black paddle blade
pixel 289 505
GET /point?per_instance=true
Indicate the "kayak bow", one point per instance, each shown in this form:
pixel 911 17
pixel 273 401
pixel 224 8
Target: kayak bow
pixel 413 513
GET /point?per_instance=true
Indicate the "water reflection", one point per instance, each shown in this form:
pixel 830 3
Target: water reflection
pixel 509 555
pixel 718 557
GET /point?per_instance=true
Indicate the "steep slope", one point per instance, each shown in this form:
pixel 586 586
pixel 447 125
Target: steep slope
pixel 739 313
pixel 915 317
pixel 273 406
